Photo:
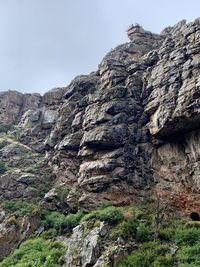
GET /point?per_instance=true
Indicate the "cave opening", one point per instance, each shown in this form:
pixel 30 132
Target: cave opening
pixel 195 216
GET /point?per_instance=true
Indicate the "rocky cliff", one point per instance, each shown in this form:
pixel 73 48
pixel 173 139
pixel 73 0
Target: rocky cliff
pixel 123 135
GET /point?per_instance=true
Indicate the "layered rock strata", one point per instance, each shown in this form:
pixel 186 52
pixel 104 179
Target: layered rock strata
pixel 131 126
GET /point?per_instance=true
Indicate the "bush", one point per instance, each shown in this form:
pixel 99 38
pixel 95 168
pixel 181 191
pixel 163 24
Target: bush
pixel 110 215
pixel 143 233
pixel 149 255
pixel 51 233
pixel 2 168
pixel 63 193
pixel 126 229
pixel 72 220
pixel 193 224
pixel 21 208
pixel 9 205
pixel 36 252
pixel 59 221
pixel 140 212
pixel 189 255
pixel 187 236
pixel 189 265
pixel 163 261
pixel 53 219
pixel 166 234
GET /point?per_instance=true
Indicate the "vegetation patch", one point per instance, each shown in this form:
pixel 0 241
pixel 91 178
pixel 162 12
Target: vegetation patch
pixel 176 234
pixel 63 192
pixel 21 208
pixel 60 222
pixel 110 215
pixel 175 243
pixel 36 252
pixel 150 254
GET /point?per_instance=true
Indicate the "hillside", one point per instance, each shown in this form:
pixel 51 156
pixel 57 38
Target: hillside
pixel 109 164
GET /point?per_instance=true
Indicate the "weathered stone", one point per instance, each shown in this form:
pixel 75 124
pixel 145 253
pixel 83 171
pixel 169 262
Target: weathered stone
pixel 13 231
pixel 117 135
pixel 174 84
pixel 14 104
pixel 26 179
pixel 84 245
pixel 71 141
pixel 105 137
pixel 54 96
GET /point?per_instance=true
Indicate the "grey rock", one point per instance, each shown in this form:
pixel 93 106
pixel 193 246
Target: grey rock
pixel 84 246
pixel 26 179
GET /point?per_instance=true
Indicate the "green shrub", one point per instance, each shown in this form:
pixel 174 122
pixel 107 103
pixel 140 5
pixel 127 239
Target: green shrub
pixel 72 220
pixel 51 233
pixel 126 229
pixel 189 265
pixel 192 224
pixel 63 193
pixel 187 236
pixel 53 219
pixel 149 255
pixel 2 168
pixel 59 221
pixel 92 215
pixel 21 208
pixel 142 233
pixel 166 234
pixel 36 252
pixel 9 205
pixel 140 212
pixel 189 255
pixel 163 261
pixel 110 215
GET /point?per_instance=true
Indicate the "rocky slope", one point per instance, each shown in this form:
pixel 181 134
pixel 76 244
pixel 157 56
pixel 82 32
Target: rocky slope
pixel 126 134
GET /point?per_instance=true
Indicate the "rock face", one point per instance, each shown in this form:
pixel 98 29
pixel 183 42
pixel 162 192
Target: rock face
pixel 173 105
pixel 26 177
pixel 124 134
pixel 173 83
pixel 13 104
pixel 85 240
pixel 86 246
pixel 117 135
pixel 13 231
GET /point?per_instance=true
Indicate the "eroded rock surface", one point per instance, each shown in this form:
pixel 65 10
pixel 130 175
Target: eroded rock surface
pixel 13 104
pixel 173 83
pixel 116 135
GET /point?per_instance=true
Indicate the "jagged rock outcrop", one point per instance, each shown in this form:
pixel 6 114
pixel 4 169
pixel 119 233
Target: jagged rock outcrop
pixel 88 240
pixel 13 231
pixel 13 104
pixel 119 135
pixel 26 176
pixel 173 83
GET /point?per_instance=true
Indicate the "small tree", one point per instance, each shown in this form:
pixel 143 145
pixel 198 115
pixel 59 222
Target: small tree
pixel 162 207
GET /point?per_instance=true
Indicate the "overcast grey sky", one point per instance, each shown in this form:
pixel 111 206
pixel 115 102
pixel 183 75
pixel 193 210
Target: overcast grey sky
pixel 46 43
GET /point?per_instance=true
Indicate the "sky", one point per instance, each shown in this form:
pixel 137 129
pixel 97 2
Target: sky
pixel 46 43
